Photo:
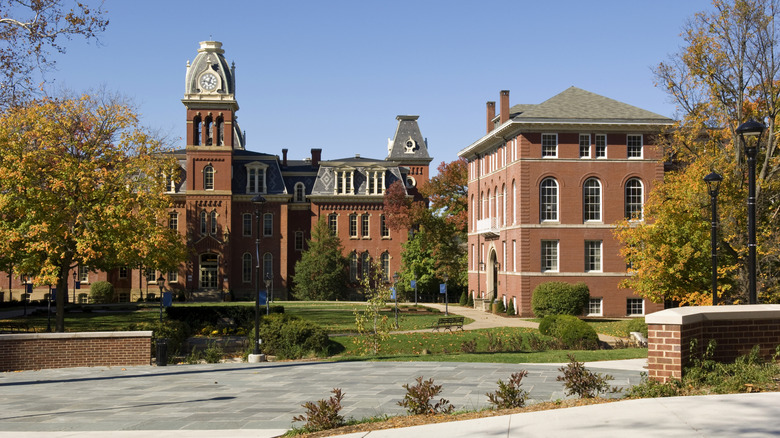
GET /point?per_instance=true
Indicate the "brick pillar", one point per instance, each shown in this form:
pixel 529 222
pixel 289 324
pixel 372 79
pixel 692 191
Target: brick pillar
pixel 664 352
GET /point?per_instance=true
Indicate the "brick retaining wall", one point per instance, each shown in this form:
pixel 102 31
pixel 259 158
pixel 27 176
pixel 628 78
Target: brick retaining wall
pixel 735 329
pixel 64 350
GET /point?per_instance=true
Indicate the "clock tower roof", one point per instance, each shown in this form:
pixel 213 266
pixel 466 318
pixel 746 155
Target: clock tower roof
pixel 209 77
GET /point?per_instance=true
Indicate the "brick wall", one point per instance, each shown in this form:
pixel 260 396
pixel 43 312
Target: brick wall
pixel 735 329
pixel 63 350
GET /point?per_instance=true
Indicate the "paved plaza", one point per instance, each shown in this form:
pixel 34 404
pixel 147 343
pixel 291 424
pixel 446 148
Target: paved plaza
pixel 244 396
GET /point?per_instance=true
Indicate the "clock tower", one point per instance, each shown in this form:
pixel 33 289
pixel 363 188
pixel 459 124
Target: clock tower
pixel 212 138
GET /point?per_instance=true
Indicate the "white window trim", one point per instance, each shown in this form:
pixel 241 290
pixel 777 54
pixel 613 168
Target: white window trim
pixel 601 306
pixel 641 146
pixel 557 255
pixel 601 256
pixel 257 165
pixel 590 145
pixel 556 145
pixel 595 146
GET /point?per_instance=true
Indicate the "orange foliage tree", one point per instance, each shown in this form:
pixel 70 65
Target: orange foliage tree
pixel 81 183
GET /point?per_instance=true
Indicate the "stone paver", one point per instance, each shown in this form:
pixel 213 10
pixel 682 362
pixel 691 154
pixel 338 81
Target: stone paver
pixel 243 396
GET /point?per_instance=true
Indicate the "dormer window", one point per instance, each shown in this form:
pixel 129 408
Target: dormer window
pixel 410 146
pixel 300 192
pixel 255 181
pixel 344 182
pixel 375 184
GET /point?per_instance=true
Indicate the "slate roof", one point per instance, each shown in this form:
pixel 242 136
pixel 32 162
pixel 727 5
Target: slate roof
pixel 576 104
pixel 408 129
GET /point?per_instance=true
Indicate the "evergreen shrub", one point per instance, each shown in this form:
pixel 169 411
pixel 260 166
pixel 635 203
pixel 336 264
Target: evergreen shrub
pixel 571 331
pixel 101 292
pixel 559 298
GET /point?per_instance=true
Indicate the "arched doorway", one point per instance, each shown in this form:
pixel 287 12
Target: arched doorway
pixel 209 269
pixel 492 276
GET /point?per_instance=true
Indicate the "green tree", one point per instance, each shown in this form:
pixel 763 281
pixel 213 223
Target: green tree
pixel 81 183
pixel 726 74
pixel 371 324
pixel 438 246
pixel 320 274
pixel 30 31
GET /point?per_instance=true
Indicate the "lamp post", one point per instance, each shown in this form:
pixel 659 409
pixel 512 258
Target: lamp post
pixel 751 129
pixel 161 285
pixel 268 279
pixel 395 294
pixel 258 201
pixel 415 289
pixel 446 296
pixel 48 312
pixel 713 186
pixel 75 275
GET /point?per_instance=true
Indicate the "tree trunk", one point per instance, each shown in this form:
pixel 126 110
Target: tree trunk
pixel 62 293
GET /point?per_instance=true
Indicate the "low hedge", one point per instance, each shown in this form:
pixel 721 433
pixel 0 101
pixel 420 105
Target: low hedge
pixel 559 298
pixel 571 331
pixel 289 337
pixel 198 317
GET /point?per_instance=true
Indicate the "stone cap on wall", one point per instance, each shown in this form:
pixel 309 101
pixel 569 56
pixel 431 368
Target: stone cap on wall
pixel 79 335
pixel 694 314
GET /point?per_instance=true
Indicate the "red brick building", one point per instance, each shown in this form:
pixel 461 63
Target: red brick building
pixel 547 183
pixel 212 199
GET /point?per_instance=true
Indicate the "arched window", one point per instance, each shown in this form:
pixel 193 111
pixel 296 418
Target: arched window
pixel 246 268
pixel 514 202
pixel 490 205
pixel 268 224
pixel 353 267
pixel 353 225
pixel 209 131
pixel 333 223
pixel 591 200
pixel 208 178
pixel 473 214
pixel 213 220
pixel 365 264
pixel 196 126
pixel 268 266
pixel 503 204
pixel 386 266
pixel 300 192
pixel 634 199
pixel 203 223
pixel 548 200
pixel 220 128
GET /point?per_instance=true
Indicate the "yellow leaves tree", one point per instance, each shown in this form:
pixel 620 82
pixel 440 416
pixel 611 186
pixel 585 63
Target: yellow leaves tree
pixel 727 73
pixel 81 183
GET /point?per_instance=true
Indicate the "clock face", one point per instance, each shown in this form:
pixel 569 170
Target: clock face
pixel 208 82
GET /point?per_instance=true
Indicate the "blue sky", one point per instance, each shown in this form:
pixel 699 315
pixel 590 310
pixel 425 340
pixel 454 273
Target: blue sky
pixel 334 74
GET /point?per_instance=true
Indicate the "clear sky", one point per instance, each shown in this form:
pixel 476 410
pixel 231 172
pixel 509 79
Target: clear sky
pixel 334 74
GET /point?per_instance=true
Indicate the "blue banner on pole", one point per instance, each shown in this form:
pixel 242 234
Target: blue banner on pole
pixel 263 297
pixel 78 285
pixel 414 284
pixel 392 293
pixel 28 288
pixel 167 298
pixel 443 288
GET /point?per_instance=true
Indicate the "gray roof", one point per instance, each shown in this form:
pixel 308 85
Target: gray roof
pixel 583 106
pixel 408 130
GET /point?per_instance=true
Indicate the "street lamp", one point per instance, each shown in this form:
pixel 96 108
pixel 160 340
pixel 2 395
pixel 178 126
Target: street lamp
pixel 395 293
pixel 751 129
pixel 415 289
pixel 258 201
pixel 74 286
pixel 161 285
pixel 713 186
pixel 268 279
pixel 446 296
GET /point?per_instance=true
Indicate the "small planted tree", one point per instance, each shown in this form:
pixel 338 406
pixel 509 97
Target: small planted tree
pixel 324 414
pixel 509 395
pixel 320 274
pixel 372 326
pixel 419 399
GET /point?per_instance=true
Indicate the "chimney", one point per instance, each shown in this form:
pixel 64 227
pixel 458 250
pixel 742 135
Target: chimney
pixel 491 114
pixel 504 106
pixel 284 157
pixel 316 156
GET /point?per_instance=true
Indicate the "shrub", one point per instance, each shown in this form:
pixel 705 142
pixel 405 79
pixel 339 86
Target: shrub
pixel 579 381
pixel 176 332
pixel 510 309
pixel 649 388
pixel 571 331
pixel 324 414
pixel 469 347
pixel 509 395
pixel 200 316
pixel 637 325
pixel 464 298
pixel 470 302
pixel 498 307
pixel 101 292
pixel 290 337
pixel 558 298
pixel 417 400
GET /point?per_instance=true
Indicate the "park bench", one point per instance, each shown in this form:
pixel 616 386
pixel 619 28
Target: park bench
pixel 448 323
pixel 15 327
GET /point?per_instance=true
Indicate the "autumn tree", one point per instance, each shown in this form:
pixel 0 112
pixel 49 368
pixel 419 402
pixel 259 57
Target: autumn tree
pixel 320 274
pixel 81 183
pixel 31 32
pixel 727 73
pixel 438 244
